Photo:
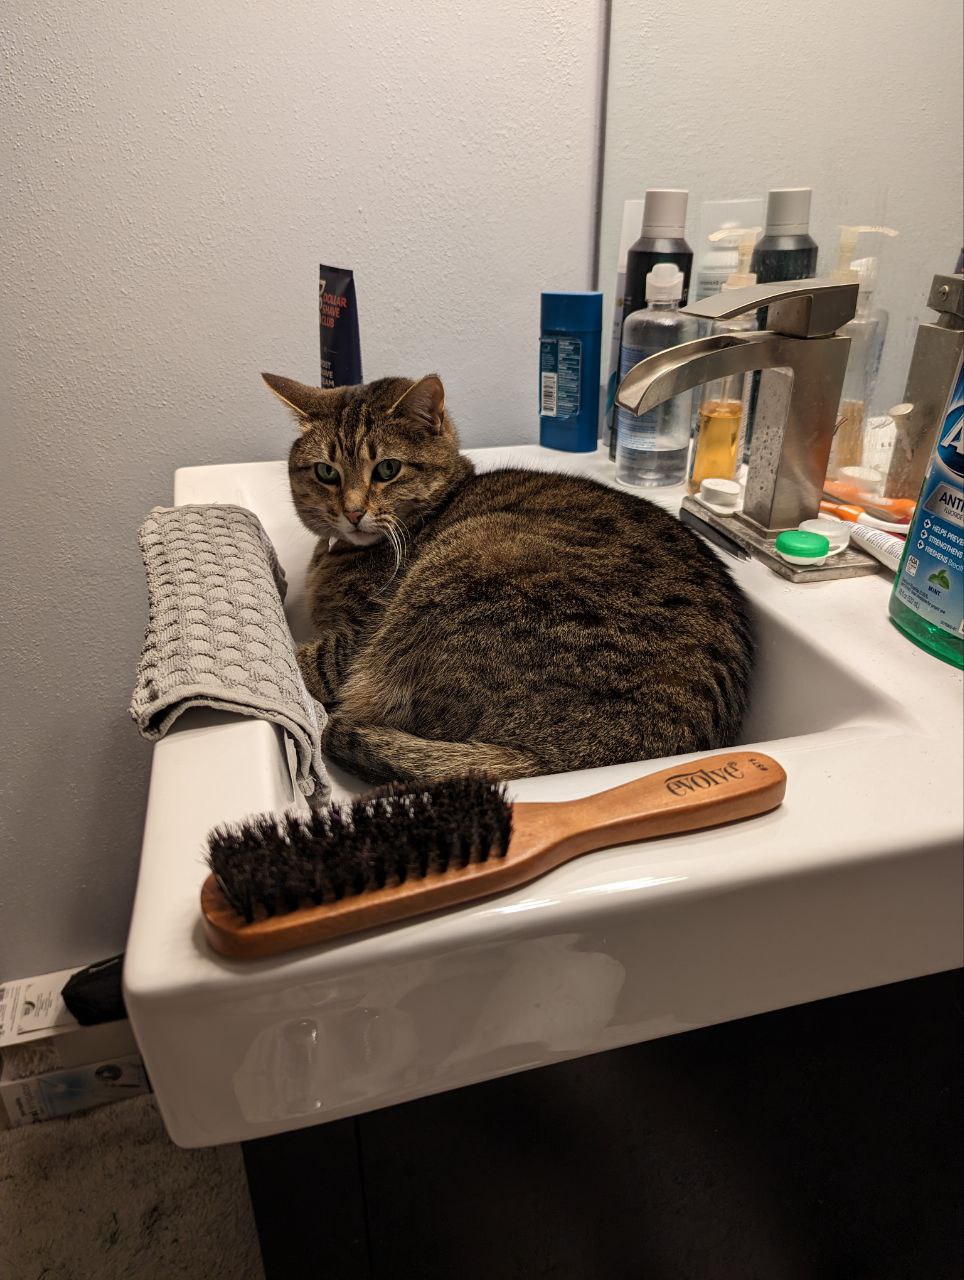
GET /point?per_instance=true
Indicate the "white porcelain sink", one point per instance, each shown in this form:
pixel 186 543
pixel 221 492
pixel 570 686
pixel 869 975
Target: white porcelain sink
pixel 854 882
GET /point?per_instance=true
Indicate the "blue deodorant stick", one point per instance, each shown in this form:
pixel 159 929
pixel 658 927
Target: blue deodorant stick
pixel 569 346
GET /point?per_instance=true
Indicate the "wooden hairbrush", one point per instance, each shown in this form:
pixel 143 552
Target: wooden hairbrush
pixel 278 883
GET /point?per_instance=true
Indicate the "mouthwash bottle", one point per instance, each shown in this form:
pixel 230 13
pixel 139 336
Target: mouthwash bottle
pixel 927 603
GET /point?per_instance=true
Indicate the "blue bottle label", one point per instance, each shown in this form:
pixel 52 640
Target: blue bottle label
pixel 931 579
pixel 623 420
pixel 560 372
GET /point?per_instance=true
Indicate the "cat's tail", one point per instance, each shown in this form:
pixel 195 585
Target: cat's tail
pixel 379 753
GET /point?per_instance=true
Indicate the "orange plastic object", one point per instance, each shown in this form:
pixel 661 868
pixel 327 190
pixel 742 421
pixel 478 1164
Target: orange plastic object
pixel 842 510
pixel 898 510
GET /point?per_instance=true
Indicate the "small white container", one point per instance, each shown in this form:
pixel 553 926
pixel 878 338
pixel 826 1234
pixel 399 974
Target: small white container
pixel 836 531
pixel 810 550
pixel 721 496
pixel 866 479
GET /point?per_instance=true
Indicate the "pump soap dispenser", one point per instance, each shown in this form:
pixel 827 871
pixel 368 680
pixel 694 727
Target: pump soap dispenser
pixel 866 331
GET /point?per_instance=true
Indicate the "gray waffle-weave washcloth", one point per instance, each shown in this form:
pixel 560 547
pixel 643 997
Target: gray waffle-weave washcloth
pixel 217 634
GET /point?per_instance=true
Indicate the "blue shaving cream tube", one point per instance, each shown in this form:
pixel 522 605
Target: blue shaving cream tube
pixel 338 324
pixel 569 371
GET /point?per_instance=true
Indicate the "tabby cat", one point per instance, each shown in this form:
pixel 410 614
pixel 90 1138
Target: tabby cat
pixel 513 621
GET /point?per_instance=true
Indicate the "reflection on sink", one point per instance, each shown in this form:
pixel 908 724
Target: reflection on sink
pixel 798 689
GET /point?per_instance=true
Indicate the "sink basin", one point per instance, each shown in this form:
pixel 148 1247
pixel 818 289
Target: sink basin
pixel 854 882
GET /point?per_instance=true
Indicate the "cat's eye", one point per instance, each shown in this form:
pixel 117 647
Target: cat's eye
pixel 326 473
pixel 387 469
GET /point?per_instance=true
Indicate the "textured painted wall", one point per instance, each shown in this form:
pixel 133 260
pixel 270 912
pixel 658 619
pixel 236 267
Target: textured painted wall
pixel 861 101
pixel 172 176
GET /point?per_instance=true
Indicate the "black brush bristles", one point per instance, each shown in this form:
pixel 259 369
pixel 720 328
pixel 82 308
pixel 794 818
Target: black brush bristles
pixel 272 865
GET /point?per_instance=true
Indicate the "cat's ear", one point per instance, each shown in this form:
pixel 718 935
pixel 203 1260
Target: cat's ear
pixel 307 402
pixel 424 401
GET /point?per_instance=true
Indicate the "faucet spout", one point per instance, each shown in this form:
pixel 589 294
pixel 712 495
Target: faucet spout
pixel 692 364
pixel 802 361
pixel 796 411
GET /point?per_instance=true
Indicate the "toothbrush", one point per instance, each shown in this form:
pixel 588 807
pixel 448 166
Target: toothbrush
pixel 860 515
pixel 897 510
pixel 278 883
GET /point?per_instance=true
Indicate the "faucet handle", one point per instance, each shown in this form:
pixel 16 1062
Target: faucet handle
pixel 796 308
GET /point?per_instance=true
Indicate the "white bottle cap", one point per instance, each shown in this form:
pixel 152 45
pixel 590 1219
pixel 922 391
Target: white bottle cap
pixel 664 283
pixel 722 496
pixel 788 211
pixel 665 212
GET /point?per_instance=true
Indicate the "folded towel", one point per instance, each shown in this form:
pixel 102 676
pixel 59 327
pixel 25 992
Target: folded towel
pixel 217 634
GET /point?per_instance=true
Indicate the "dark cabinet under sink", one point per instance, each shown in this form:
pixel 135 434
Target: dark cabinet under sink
pixel 815 1143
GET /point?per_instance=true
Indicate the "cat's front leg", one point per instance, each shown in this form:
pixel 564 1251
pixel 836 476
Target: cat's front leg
pixel 343 587
pixel 324 663
pixel 326 585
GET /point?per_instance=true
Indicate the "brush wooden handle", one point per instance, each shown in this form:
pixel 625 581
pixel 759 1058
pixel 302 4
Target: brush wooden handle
pixel 702 793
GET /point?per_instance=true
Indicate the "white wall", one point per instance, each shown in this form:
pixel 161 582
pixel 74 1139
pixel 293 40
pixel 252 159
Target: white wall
pixel 861 101
pixel 173 176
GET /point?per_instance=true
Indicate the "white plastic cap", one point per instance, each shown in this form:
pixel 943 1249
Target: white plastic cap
pixel 665 212
pixel 788 211
pixel 664 283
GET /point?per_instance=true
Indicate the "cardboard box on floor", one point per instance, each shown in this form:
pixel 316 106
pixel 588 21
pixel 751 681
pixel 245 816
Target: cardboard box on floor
pixel 77 1067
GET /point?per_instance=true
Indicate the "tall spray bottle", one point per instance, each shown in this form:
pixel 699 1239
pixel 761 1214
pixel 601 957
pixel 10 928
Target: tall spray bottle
pixel 866 331
pixel 721 421
pixel 661 240
pixel 629 233
pixel 785 251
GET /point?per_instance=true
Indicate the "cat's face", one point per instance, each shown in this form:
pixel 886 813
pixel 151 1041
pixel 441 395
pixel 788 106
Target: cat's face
pixel 369 459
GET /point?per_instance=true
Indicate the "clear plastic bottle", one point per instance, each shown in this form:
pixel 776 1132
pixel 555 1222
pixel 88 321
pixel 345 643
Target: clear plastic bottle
pixel 662 239
pixel 652 449
pixel 866 331
pixel 721 423
pixel 717 256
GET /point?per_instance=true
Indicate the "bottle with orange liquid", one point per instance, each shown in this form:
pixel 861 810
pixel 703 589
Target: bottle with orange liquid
pixel 721 423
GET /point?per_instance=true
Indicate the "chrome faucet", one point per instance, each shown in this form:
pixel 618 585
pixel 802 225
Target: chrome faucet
pixel 803 360
pixel 930 380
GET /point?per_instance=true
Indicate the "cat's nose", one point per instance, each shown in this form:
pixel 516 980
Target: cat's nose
pixel 354 515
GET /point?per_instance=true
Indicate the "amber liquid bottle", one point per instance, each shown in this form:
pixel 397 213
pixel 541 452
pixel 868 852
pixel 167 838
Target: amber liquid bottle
pixel 718 433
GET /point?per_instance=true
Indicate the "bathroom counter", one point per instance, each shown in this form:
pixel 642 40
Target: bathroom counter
pixel 854 882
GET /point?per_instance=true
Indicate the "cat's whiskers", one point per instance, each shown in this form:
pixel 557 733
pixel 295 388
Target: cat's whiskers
pixel 402 530
pixel 389 525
